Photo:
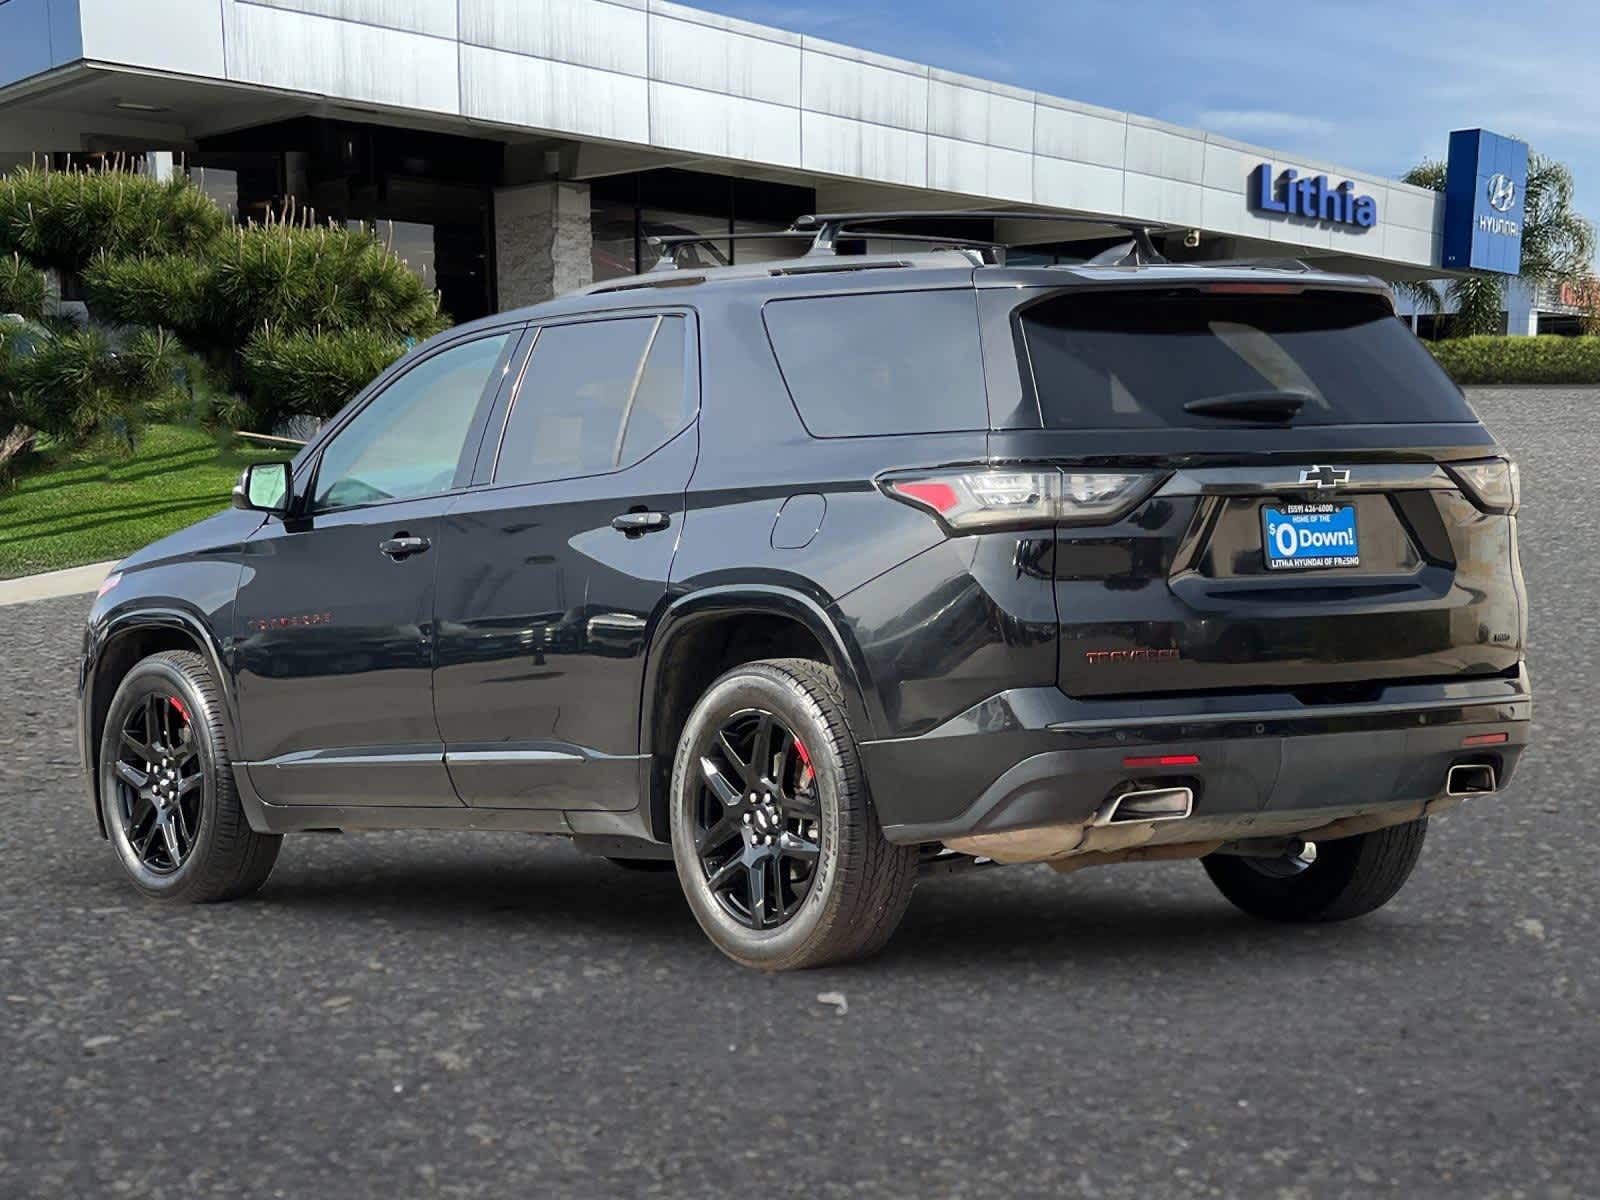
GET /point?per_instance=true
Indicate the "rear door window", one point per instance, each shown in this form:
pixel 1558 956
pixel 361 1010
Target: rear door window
pixel 596 396
pixel 1134 359
pixel 898 362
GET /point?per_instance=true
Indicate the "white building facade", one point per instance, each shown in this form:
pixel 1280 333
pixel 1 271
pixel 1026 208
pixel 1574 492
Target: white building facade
pixel 516 148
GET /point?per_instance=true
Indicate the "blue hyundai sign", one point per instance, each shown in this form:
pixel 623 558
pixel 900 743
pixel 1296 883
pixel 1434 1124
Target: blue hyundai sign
pixel 1483 202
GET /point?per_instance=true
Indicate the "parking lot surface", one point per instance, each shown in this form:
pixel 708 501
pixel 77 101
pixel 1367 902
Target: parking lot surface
pixel 452 1015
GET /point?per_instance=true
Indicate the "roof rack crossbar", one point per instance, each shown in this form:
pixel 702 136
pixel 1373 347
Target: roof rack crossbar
pixel 830 227
pixel 670 245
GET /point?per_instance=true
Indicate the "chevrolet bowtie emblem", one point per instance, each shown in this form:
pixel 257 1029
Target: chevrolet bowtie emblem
pixel 1325 477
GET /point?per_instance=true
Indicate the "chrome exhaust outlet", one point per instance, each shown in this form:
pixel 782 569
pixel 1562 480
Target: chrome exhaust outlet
pixel 1151 804
pixel 1469 779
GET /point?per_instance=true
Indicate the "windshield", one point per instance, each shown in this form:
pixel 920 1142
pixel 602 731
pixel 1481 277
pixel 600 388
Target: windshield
pixel 1133 360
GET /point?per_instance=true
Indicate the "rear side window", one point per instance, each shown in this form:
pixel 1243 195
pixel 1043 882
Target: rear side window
pixel 596 396
pixel 901 362
pixel 1132 360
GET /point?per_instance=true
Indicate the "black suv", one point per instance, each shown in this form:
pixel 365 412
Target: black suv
pixel 807 576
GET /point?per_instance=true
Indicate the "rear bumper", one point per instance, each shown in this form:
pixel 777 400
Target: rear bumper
pixel 1023 775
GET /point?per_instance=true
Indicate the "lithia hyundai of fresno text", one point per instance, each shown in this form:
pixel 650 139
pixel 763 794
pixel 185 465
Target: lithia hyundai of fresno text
pixel 806 576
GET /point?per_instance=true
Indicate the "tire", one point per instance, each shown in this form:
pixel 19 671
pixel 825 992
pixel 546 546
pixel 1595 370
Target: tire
pixel 858 884
pixel 1350 877
pixel 221 858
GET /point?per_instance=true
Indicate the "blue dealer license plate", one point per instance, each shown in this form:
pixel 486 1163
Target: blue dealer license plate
pixel 1302 536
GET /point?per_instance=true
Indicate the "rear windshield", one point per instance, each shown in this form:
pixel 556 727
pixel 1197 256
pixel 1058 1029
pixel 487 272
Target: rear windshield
pixel 895 362
pixel 1132 360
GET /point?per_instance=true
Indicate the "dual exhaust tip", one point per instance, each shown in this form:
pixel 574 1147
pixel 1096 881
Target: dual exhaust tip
pixel 1470 779
pixel 1148 804
pixel 1177 803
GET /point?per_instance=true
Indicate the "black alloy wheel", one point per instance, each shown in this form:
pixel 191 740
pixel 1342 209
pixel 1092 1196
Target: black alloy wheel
pixel 169 801
pixel 159 782
pixel 757 822
pixel 776 839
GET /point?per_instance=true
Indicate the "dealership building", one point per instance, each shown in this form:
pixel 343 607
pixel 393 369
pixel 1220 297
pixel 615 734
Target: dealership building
pixel 514 149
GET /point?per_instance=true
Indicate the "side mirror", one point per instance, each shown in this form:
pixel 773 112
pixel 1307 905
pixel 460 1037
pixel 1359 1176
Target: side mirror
pixel 264 487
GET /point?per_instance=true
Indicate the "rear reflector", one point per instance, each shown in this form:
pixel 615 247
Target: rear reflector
pixel 1485 739
pixel 1162 760
pixel 940 497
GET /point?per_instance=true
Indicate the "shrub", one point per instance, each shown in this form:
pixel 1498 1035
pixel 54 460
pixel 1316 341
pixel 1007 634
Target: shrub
pixel 167 289
pixel 22 288
pixel 79 385
pixel 314 373
pixel 282 318
pixel 290 277
pixel 1498 359
pixel 329 277
pixel 261 301
pixel 65 219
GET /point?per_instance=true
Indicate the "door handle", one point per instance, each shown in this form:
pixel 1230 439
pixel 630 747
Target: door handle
pixel 403 545
pixel 634 523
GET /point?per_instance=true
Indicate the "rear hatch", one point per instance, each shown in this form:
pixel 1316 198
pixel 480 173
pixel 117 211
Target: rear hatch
pixel 1315 509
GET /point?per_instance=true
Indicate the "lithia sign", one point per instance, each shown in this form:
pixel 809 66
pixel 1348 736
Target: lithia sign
pixel 1310 197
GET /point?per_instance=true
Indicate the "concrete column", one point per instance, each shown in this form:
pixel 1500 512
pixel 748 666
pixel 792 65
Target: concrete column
pixel 542 242
pixel 1522 309
pixel 158 165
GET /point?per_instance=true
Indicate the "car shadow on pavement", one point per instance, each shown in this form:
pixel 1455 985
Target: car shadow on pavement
pixel 1045 919
pixel 1033 917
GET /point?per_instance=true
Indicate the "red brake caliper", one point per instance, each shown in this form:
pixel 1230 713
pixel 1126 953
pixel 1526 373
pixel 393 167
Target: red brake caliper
pixel 178 706
pixel 806 773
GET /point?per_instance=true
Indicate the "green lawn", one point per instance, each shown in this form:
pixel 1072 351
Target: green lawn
pixel 70 510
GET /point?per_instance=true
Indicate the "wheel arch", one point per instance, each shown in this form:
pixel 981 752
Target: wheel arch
pixel 711 630
pixel 125 640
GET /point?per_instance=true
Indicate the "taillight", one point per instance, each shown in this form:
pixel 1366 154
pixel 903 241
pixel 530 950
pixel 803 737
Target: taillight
pixel 1493 484
pixel 989 498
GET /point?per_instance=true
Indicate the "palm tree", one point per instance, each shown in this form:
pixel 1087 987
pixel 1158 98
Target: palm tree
pixel 1558 246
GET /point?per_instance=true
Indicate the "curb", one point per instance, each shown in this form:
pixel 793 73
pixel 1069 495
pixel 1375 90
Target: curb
pixel 74 581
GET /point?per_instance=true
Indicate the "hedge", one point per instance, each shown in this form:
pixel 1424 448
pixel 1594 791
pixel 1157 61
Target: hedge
pixel 66 219
pixel 1520 359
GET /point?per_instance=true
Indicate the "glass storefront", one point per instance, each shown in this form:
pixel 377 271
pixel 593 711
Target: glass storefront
pixel 431 198
pixel 428 196
pixel 628 210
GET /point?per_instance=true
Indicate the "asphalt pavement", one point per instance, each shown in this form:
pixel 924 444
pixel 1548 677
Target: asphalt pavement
pixel 468 1015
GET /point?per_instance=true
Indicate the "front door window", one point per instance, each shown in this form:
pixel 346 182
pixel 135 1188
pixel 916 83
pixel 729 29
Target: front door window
pixel 407 442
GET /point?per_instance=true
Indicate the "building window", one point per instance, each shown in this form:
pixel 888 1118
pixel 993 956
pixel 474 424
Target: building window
pixel 426 195
pixel 222 185
pixel 627 210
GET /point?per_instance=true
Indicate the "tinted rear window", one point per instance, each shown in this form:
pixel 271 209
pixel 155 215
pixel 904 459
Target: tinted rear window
pixel 901 362
pixel 1132 360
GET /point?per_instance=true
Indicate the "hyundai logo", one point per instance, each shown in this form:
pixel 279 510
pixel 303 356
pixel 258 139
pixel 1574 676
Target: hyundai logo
pixel 1502 192
pixel 1325 477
